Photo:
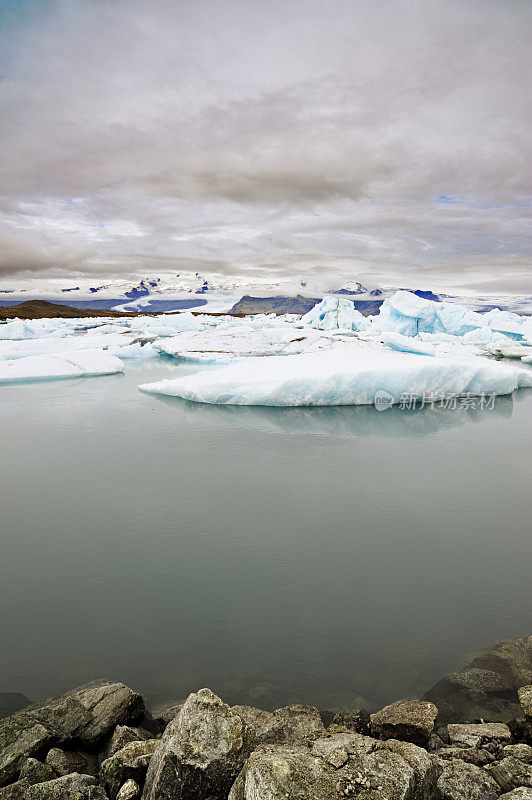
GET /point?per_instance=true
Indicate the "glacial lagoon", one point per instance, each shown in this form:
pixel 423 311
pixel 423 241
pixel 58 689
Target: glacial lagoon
pixel 335 556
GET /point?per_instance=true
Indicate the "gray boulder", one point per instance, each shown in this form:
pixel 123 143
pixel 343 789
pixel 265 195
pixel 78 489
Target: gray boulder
pixel 510 773
pixel 295 724
pixel 407 720
pixel 462 781
pixel 122 735
pixel 521 751
pixel 131 762
pixel 166 712
pixel 69 787
pixel 518 794
pixel 32 772
pixel 200 753
pixel 64 762
pixel 341 765
pixel 476 734
pixel 83 715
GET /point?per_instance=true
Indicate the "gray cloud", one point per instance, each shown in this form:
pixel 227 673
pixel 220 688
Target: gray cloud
pixel 262 137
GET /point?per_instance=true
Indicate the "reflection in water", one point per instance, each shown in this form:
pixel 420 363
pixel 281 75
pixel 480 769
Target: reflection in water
pixel 343 421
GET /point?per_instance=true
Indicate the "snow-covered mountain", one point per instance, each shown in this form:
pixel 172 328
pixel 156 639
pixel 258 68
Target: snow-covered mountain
pixel 168 292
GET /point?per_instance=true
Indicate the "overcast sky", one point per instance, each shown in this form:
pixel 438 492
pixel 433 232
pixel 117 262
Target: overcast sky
pixel 383 139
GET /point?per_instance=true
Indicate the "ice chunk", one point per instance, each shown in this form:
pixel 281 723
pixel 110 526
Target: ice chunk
pixel 526 359
pixel 408 314
pixel 345 376
pixel 335 313
pixel 508 350
pixel 243 340
pixel 505 322
pixel 168 325
pixel 66 365
pixel 406 344
pixel 35 368
pixel 30 328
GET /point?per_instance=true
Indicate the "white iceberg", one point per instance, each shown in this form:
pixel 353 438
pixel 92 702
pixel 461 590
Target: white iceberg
pixel 406 344
pixel 79 363
pixel 334 313
pixel 241 341
pixel 345 376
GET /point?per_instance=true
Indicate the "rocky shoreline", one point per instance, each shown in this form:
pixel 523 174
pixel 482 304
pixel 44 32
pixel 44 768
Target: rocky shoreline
pixel 468 738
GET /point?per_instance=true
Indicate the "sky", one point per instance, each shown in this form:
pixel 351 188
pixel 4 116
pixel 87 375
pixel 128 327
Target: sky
pixel 382 140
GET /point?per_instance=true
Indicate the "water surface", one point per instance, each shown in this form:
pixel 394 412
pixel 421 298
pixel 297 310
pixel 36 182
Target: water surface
pixel 333 556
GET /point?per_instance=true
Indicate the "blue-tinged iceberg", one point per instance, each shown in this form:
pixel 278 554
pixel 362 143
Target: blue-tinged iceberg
pixel 344 376
pixel 335 313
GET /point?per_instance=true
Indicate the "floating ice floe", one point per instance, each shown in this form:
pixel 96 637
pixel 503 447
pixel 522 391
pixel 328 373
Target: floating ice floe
pixel 78 363
pixel 334 313
pixel 345 376
pixel 241 341
pixel 406 344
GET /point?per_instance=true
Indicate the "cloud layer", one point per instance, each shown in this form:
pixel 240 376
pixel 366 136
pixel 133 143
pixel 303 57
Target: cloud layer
pixel 388 140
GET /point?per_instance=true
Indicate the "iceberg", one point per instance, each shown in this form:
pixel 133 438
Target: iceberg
pixel 345 376
pixel 242 341
pixel 334 313
pixel 74 364
pixel 408 314
pixel 406 344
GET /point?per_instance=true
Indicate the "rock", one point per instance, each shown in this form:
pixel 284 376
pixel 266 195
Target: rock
pixel 166 712
pixel 434 743
pixel 32 772
pixel 295 724
pixel 525 698
pixel 131 762
pixel 381 770
pixel 15 791
pixel 122 735
pixel 474 735
pixel 523 752
pixel 65 762
pixel 523 793
pixel 36 772
pixel 11 702
pixel 83 715
pixel 129 791
pixel 356 720
pixel 486 687
pixel 472 755
pixel 511 773
pixel 200 753
pixel 462 781
pixel 69 787
pixel 408 720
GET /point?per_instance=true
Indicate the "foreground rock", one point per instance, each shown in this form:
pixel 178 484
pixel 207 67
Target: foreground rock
pixel 205 746
pixel 130 763
pixel 69 787
pixel 83 715
pixel 462 781
pixel 343 765
pixel 409 720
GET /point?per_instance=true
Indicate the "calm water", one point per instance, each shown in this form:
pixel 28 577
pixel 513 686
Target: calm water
pixel 333 556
